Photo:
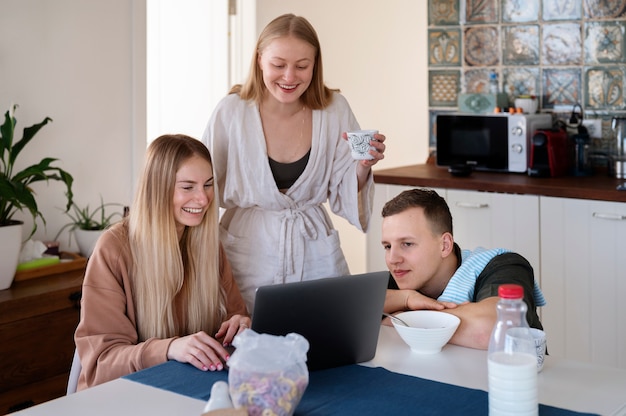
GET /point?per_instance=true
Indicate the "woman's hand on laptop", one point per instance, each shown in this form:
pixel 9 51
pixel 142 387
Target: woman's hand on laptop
pixel 231 327
pixel 200 350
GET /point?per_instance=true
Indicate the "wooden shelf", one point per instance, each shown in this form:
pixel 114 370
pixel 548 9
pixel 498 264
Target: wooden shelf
pixel 38 317
pixel 69 262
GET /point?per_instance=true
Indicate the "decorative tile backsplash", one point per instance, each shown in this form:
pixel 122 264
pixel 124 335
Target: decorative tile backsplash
pixel 565 52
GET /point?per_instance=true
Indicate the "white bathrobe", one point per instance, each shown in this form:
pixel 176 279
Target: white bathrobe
pixel 271 237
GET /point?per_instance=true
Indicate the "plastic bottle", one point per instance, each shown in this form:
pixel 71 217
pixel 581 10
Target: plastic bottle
pixel 493 83
pixel 512 358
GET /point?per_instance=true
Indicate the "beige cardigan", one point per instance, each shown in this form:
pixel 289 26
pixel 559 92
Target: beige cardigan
pixel 106 336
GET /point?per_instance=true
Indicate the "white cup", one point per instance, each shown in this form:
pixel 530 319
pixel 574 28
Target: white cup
pixel 528 105
pixel 540 344
pixel 359 141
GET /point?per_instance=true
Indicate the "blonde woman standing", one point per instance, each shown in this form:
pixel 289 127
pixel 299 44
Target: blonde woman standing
pixel 280 155
pixel 158 286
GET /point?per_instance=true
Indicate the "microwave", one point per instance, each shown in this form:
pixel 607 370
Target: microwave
pixel 498 142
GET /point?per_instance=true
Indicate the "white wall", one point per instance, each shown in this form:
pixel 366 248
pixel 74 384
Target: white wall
pixel 376 53
pixel 82 63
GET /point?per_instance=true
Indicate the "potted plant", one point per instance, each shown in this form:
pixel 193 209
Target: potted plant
pixel 87 224
pixel 16 193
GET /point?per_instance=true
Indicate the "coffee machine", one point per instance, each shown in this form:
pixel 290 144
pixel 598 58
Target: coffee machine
pixel 549 153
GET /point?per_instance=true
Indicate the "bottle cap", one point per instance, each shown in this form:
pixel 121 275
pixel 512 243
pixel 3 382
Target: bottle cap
pixel 511 291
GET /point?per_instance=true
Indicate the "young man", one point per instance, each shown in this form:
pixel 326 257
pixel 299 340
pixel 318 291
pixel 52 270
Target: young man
pixel 430 271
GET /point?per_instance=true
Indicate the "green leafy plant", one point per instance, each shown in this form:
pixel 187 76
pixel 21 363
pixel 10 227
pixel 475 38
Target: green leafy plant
pixel 16 193
pixel 88 219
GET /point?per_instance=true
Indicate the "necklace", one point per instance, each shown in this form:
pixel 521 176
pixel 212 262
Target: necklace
pixel 302 126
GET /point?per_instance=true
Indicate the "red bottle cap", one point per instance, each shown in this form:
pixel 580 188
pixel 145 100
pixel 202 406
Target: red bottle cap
pixel 511 291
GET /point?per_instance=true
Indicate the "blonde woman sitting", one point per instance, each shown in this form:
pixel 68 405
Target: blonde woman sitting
pixel 158 286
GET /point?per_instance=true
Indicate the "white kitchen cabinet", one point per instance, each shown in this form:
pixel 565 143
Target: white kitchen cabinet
pixel 583 265
pixel 497 220
pixel 375 252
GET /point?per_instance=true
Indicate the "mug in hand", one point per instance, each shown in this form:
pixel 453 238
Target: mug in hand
pixel 359 141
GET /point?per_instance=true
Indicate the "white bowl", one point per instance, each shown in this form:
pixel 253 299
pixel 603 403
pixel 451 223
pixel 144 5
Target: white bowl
pixel 429 331
pixel 528 105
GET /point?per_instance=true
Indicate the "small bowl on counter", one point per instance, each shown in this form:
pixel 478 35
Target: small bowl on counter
pixel 529 105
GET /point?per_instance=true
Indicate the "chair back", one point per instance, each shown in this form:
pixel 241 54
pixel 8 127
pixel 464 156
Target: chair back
pixel 72 382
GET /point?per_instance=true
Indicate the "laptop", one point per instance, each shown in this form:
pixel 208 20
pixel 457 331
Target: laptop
pixel 339 316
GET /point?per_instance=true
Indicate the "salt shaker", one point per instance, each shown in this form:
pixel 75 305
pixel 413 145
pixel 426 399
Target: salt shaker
pixel 220 397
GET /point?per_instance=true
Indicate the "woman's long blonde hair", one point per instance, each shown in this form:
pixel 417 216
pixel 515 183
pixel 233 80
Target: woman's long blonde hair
pixel 318 95
pixel 168 272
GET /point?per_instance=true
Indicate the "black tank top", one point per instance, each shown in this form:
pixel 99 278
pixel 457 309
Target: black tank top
pixel 285 174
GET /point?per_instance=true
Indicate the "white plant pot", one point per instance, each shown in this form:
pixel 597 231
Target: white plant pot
pixel 86 240
pixel 10 245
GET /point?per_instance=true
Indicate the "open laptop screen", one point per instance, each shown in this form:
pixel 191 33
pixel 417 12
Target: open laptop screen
pixel 339 316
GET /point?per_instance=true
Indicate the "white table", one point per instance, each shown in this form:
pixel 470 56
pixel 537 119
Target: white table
pixel 562 383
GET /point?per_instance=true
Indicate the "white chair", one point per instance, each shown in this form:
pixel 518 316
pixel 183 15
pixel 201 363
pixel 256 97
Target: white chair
pixel 72 382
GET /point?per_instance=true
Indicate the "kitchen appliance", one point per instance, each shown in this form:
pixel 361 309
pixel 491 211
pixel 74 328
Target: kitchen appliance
pixel 550 152
pixel 618 125
pixel 496 142
pixel 582 162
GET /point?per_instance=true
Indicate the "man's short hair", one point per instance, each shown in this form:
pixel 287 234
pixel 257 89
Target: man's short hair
pixel 436 209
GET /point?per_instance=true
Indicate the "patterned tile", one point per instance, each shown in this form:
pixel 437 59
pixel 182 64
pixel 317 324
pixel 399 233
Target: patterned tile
pixel 520 45
pixel 521 81
pixel 562 44
pixel 443 12
pixel 443 88
pixel 561 87
pixel 476 81
pixel 604 42
pixel 481 46
pixel 518 11
pixel 564 52
pixel 599 9
pixel 605 88
pixel 444 47
pixel 562 10
pixel 481 11
pixel 432 138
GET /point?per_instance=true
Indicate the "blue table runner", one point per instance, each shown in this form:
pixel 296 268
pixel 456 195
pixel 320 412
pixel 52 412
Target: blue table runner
pixel 348 390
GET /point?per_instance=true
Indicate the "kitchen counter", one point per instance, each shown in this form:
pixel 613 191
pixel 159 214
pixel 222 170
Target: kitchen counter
pixel 596 187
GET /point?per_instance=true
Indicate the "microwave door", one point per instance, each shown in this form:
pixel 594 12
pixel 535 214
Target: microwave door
pixel 480 142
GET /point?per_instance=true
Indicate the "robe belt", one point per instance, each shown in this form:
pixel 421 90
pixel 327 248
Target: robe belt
pixel 292 218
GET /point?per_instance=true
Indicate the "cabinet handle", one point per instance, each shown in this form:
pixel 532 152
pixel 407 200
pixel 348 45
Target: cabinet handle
pixel 476 205
pixel 606 216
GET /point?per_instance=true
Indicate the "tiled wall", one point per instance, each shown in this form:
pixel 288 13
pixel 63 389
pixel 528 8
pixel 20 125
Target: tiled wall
pixel 565 52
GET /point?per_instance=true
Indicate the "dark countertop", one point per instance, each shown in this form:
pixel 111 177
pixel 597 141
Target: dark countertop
pixel 596 187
